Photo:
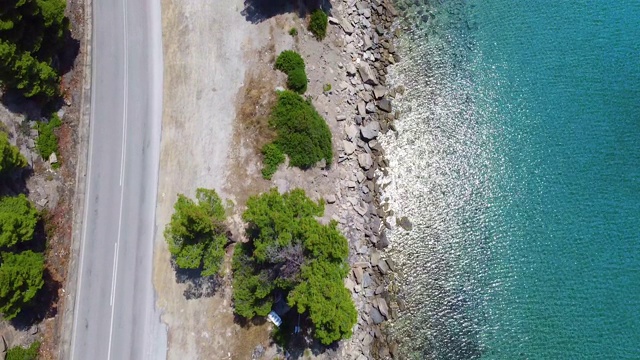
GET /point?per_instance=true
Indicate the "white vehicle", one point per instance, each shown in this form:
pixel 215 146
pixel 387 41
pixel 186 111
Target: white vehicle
pixel 274 318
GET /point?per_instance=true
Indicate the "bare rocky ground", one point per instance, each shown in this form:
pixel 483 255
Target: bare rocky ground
pixel 51 190
pixel 219 87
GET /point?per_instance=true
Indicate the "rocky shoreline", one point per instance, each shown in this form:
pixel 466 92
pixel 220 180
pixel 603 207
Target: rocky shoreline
pixel 368 32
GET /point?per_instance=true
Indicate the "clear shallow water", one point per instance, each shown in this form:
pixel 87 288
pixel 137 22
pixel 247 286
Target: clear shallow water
pixel 518 162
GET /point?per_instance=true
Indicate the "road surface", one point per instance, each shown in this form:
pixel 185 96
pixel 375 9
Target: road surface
pixel 114 314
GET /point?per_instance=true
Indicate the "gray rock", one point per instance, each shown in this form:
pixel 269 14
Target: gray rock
pixel 370 108
pixel 345 24
pixel 367 74
pixel 376 317
pixel 379 91
pixel 333 21
pixel 362 108
pixel 53 158
pixel 379 290
pixel 348 283
pixel 391 264
pixel 380 30
pixel 351 69
pixel 358 119
pixel 370 131
pixel 358 273
pixel 404 223
pixel 375 258
pixel 366 280
pixel 331 199
pixel 349 147
pixel 367 42
pixel 383 242
pixel 384 268
pixel 375 225
pixel 351 131
pixel 365 161
pixel 385 105
pixel 341 117
pixel 382 306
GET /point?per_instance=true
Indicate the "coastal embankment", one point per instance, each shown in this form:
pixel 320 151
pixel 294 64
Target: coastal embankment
pixel 219 88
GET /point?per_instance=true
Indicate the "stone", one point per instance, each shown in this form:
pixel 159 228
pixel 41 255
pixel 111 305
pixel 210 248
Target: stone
pixel 351 131
pixel 361 210
pixel 351 69
pixel 367 74
pixel 365 161
pixel 367 42
pixel 359 176
pixel 380 30
pixel 361 264
pixel 375 258
pixel 370 108
pixel 42 202
pixel 375 225
pixel 358 273
pixel 348 283
pixel 379 290
pixel 345 24
pixel 362 110
pixel 333 21
pixel 376 317
pixel 385 105
pixel 349 147
pixel 366 280
pixel 370 131
pixel 330 199
pixel 383 242
pixel 404 223
pixel 391 264
pixel 384 268
pixel 379 91
pixel 341 117
pixel 382 306
pixel 53 158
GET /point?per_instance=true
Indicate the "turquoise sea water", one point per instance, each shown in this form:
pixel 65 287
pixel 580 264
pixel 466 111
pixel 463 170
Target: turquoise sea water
pixel 518 162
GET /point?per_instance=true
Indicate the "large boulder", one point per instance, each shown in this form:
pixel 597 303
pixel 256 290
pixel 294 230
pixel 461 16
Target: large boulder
pixel 370 131
pixel 367 74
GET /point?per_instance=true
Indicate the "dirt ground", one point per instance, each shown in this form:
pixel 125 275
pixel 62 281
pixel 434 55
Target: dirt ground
pixel 219 86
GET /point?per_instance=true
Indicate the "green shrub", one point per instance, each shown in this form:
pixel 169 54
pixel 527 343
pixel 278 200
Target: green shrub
pixel 326 87
pixel 18 220
pixel 318 24
pixel 302 133
pixel 273 157
pixel 20 353
pixel 289 60
pixel 196 234
pixel 293 32
pixel 21 276
pixel 297 80
pixel 10 157
pixel 47 142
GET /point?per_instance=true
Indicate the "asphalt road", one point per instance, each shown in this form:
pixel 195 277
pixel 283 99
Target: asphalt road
pixel 115 315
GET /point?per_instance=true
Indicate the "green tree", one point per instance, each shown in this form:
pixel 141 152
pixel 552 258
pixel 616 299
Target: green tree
pixel 297 81
pixel 289 251
pixel 288 61
pixel 302 133
pixel 20 279
pixel 273 157
pixel 328 302
pixel 196 234
pixel 10 157
pixel 32 33
pixel 18 219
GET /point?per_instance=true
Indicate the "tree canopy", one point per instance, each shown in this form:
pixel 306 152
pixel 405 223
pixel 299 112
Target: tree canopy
pixel 32 32
pixel 196 234
pixel 290 252
pixel 20 279
pixel 18 219
pixel 10 157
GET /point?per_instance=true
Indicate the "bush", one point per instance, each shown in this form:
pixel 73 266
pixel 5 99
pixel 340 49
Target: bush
pixel 326 87
pixel 196 234
pixel 20 353
pixel 302 133
pixel 289 252
pixel 289 60
pixel 10 157
pixel 297 80
pixel 47 142
pixel 273 157
pixel 18 220
pixel 293 32
pixel 318 24
pixel 20 279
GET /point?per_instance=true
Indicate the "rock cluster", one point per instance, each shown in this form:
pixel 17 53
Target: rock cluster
pixel 366 31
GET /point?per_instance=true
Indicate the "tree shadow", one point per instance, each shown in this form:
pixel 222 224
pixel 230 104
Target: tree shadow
pixel 43 306
pixel 257 11
pixel 297 345
pixel 198 286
